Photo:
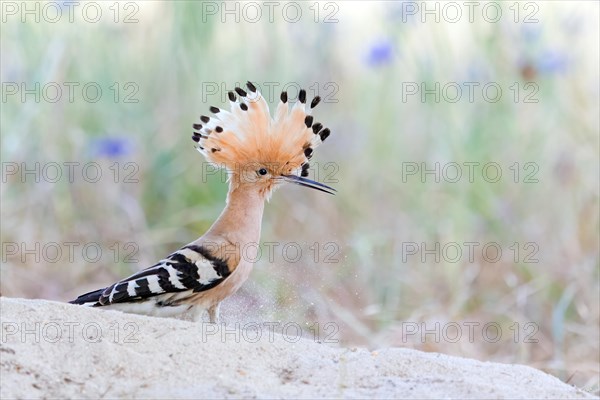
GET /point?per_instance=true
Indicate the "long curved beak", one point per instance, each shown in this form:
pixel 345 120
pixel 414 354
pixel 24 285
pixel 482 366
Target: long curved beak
pixel 299 180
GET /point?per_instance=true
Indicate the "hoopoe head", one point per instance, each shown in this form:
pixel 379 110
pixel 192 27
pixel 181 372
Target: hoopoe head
pixel 257 149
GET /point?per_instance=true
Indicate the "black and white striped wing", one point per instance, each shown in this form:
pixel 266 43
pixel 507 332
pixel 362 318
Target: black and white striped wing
pixel 189 268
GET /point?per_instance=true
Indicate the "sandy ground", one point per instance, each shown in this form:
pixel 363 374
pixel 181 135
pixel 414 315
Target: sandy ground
pixel 55 350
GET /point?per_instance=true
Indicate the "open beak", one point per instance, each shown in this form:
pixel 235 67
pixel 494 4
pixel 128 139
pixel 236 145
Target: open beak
pixel 298 180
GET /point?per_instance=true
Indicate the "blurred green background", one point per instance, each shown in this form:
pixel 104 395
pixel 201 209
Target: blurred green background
pixel 388 74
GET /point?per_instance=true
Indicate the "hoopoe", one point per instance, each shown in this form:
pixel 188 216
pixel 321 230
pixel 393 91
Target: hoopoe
pixel 259 153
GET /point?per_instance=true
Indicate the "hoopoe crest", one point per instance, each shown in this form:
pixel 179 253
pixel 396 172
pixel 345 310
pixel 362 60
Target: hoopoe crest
pixel 260 152
pixel 246 139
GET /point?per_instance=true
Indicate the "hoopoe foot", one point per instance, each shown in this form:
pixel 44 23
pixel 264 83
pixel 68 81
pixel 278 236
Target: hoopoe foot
pixel 213 313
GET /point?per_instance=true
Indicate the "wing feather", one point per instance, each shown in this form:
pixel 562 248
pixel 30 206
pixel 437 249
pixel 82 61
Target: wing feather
pixel 189 268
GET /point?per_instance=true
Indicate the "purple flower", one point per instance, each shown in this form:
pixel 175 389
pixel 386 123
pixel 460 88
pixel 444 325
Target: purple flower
pixel 380 53
pixel 112 147
pixel 551 61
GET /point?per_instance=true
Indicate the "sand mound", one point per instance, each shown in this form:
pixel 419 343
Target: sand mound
pixel 58 350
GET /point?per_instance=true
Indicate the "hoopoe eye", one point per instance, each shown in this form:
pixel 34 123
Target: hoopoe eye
pixel 262 171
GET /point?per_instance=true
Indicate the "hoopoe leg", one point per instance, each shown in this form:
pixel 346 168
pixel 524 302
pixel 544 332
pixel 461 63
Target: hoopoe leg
pixel 213 313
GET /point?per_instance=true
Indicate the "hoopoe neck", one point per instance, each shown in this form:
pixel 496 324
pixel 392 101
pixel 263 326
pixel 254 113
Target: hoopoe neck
pixel 240 222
